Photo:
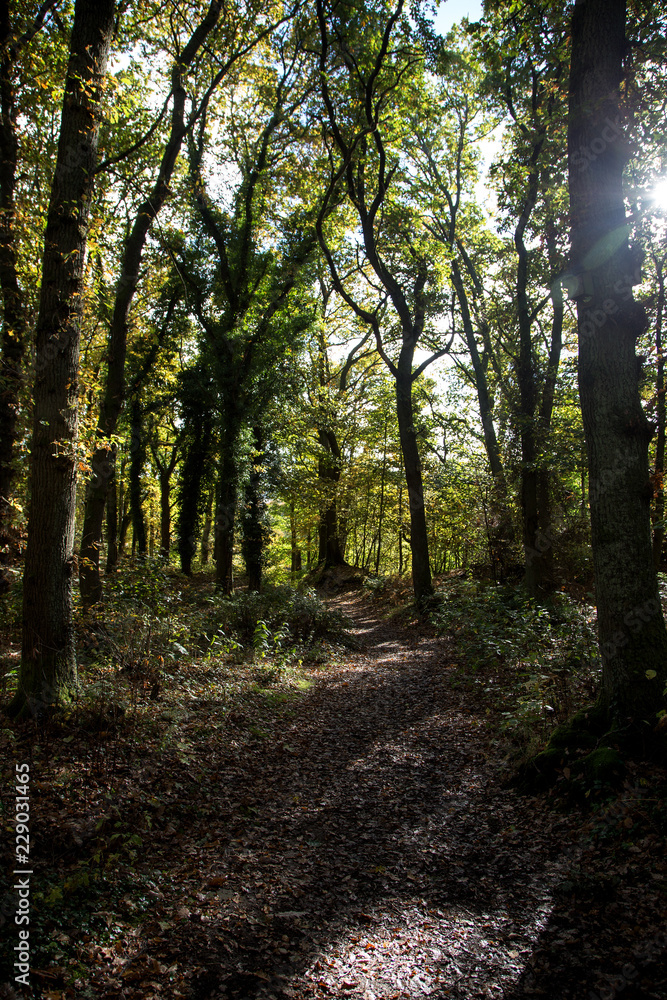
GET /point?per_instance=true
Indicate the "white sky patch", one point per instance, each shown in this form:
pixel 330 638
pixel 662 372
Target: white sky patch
pixel 451 11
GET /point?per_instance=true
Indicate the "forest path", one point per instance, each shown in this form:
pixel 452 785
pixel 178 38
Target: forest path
pixel 343 834
pixel 380 858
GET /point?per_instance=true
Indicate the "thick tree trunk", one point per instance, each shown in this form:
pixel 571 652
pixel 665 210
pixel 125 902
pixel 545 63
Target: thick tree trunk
pixel 633 640
pixel 421 570
pixel 48 672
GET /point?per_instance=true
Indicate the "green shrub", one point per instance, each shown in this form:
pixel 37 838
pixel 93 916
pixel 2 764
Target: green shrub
pixel 277 617
pixel 549 649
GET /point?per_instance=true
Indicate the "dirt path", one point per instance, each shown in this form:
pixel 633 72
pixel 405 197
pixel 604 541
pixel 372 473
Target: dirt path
pixel 354 841
pixel 379 858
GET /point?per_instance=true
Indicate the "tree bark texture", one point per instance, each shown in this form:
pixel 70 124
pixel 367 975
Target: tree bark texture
pixel 328 473
pixel 255 532
pixel 225 508
pixel 14 333
pixel 421 570
pixel 137 462
pixel 48 659
pixel 192 479
pixel 632 632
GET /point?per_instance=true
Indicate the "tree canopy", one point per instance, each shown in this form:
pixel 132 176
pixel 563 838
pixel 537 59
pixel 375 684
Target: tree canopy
pixel 325 312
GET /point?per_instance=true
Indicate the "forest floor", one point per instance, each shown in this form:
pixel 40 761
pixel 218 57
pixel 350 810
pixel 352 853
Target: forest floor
pixel 348 835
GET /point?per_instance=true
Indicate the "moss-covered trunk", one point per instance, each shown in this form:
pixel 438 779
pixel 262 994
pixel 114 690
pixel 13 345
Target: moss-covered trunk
pixel 48 658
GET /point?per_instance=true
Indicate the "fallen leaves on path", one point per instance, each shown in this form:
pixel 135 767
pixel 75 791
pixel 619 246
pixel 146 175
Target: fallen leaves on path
pixel 354 842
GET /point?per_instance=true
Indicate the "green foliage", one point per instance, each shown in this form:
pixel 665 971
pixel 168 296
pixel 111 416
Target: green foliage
pixel 277 618
pixel 503 624
pixel 544 645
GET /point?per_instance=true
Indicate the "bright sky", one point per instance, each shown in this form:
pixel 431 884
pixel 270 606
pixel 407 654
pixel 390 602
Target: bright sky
pixel 451 11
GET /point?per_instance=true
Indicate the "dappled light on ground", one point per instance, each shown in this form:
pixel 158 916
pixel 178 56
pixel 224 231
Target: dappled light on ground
pixel 352 840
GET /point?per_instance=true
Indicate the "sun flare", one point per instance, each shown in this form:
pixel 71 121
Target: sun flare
pixel 659 193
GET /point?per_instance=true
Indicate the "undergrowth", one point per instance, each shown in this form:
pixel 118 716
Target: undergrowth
pixel 278 616
pixel 536 661
pixel 158 633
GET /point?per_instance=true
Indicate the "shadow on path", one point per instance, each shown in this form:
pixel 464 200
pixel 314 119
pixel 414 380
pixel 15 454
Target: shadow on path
pixel 363 847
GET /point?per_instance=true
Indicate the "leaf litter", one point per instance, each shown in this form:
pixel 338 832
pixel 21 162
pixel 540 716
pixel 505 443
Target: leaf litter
pixel 350 837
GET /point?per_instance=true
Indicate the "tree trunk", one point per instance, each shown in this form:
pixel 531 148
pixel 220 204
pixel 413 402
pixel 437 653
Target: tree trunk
pixel 48 672
pixel 112 528
pixel 501 529
pixel 206 533
pixel 123 508
pixel 165 469
pixel 421 570
pixel 329 468
pixel 526 376
pixel 659 471
pixel 165 512
pixel 254 529
pixel 400 529
pixel 381 516
pixel 137 460
pixel 225 515
pixel 481 386
pixel 193 472
pixel 633 640
pixel 544 484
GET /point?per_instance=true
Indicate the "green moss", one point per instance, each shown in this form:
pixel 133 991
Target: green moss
pixel 604 764
pixel 548 760
pixel 593 719
pixel 568 736
pixel 539 772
